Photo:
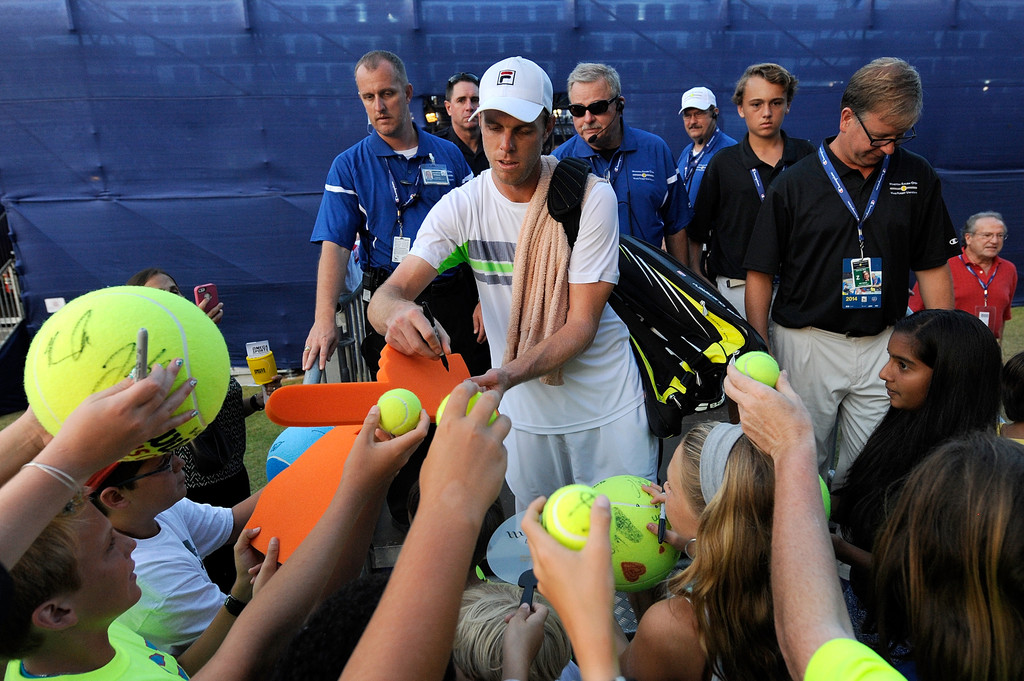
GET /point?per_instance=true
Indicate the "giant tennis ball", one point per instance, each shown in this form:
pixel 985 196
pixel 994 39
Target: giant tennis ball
pixel 638 560
pixel 89 345
pixel 566 515
pixel 469 408
pixel 760 366
pixel 399 411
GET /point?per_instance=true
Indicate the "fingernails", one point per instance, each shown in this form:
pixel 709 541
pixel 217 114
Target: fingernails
pixel 192 382
pixel 179 362
pixel 602 501
pixel 195 413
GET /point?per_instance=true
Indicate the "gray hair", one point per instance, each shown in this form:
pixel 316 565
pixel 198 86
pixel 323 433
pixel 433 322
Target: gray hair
pixel 972 221
pixel 588 72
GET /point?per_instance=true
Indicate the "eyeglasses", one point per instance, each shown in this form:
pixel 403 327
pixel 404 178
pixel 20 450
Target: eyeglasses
pixel 897 141
pixel 986 236
pixel 165 465
pixel 460 77
pixel 597 108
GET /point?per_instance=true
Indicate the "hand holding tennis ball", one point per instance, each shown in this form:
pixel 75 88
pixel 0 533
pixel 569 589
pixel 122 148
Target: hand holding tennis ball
pixel 566 515
pixel 469 408
pixel 760 366
pixel 399 411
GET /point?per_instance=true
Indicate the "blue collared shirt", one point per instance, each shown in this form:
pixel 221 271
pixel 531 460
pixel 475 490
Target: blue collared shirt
pixel 692 175
pixel 652 203
pixel 359 195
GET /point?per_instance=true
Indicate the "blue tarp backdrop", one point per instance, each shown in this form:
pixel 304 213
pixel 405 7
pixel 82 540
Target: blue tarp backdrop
pixel 195 135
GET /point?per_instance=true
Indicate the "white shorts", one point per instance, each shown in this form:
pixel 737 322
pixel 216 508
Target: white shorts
pixel 540 464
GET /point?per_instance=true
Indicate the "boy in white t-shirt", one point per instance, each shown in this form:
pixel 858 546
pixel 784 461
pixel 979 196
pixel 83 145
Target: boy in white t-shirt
pixel 145 500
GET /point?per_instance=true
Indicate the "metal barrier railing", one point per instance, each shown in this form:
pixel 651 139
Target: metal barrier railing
pixel 11 310
pixel 347 364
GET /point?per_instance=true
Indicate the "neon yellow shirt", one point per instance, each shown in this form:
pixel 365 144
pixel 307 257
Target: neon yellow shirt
pixel 844 659
pixel 134 660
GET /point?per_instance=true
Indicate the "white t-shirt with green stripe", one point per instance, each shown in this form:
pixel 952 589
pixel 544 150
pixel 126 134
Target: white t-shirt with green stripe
pixel 476 224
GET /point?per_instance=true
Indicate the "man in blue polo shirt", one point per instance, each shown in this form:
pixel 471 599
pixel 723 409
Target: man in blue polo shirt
pixel 380 189
pixel 699 110
pixel 653 205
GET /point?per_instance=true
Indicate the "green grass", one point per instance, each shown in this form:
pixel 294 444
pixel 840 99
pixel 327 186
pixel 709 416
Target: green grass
pixel 261 432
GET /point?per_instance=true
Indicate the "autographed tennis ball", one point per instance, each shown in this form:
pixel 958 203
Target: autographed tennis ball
pixel 89 345
pixel 399 411
pixel 638 561
pixel 760 366
pixel 566 515
pixel 469 408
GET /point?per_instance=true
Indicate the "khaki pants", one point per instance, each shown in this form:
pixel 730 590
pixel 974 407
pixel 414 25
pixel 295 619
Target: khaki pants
pixel 837 378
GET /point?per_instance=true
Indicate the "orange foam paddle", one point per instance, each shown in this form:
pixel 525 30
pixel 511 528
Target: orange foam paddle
pixel 330 404
pixel 295 499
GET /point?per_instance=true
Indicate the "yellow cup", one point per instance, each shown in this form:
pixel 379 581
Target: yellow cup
pixel 263 368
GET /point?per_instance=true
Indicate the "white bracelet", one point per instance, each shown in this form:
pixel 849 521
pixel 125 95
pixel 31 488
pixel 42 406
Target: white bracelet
pixel 78 492
pixel 57 473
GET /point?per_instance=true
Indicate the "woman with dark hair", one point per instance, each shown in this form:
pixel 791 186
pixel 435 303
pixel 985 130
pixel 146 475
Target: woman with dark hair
pixel 942 378
pixel 215 471
pixel 1011 385
pixel 961 511
pixel 949 560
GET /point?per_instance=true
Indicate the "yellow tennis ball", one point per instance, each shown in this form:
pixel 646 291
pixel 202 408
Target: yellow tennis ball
pixel 566 515
pixel 760 366
pixel 89 345
pixel 399 411
pixel 638 560
pixel 469 408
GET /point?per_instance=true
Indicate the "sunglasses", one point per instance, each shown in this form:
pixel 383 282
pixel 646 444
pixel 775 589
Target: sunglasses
pixel 881 142
pixel 165 465
pixel 596 108
pixel 460 77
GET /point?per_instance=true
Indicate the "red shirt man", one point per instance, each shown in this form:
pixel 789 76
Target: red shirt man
pixel 983 283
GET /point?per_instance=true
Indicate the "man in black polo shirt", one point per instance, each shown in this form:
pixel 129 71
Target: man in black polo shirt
pixel 735 181
pixel 461 100
pixel 843 229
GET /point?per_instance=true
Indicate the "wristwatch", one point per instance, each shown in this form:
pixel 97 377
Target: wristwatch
pixel 233 606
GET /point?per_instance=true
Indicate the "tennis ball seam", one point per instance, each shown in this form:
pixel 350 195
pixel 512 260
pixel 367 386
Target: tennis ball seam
pixel 557 519
pixel 187 365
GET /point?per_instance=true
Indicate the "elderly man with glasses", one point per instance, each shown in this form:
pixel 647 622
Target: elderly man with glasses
pixel 983 283
pixel 842 229
pixel 653 205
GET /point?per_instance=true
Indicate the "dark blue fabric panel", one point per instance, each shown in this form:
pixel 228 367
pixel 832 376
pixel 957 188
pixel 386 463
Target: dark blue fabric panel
pixel 205 128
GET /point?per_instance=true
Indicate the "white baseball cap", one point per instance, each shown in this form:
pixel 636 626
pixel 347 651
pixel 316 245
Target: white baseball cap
pixel 516 86
pixel 698 98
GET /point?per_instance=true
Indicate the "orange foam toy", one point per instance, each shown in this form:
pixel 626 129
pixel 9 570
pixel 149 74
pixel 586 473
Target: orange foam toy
pixel 295 499
pixel 333 404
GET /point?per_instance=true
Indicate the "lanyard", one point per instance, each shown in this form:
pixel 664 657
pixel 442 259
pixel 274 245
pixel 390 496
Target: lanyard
pixel 830 170
pixel 694 161
pixel 400 205
pixel 610 174
pixel 984 285
pixel 758 185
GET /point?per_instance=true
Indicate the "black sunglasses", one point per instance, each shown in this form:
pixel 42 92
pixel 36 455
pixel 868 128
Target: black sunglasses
pixel 165 465
pixel 597 108
pixel 876 142
pixel 460 77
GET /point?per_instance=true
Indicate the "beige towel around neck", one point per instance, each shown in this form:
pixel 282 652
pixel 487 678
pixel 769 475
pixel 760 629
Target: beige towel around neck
pixel 540 275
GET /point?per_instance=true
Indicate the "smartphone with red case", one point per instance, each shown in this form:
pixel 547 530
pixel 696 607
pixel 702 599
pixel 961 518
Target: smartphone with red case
pixel 204 291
